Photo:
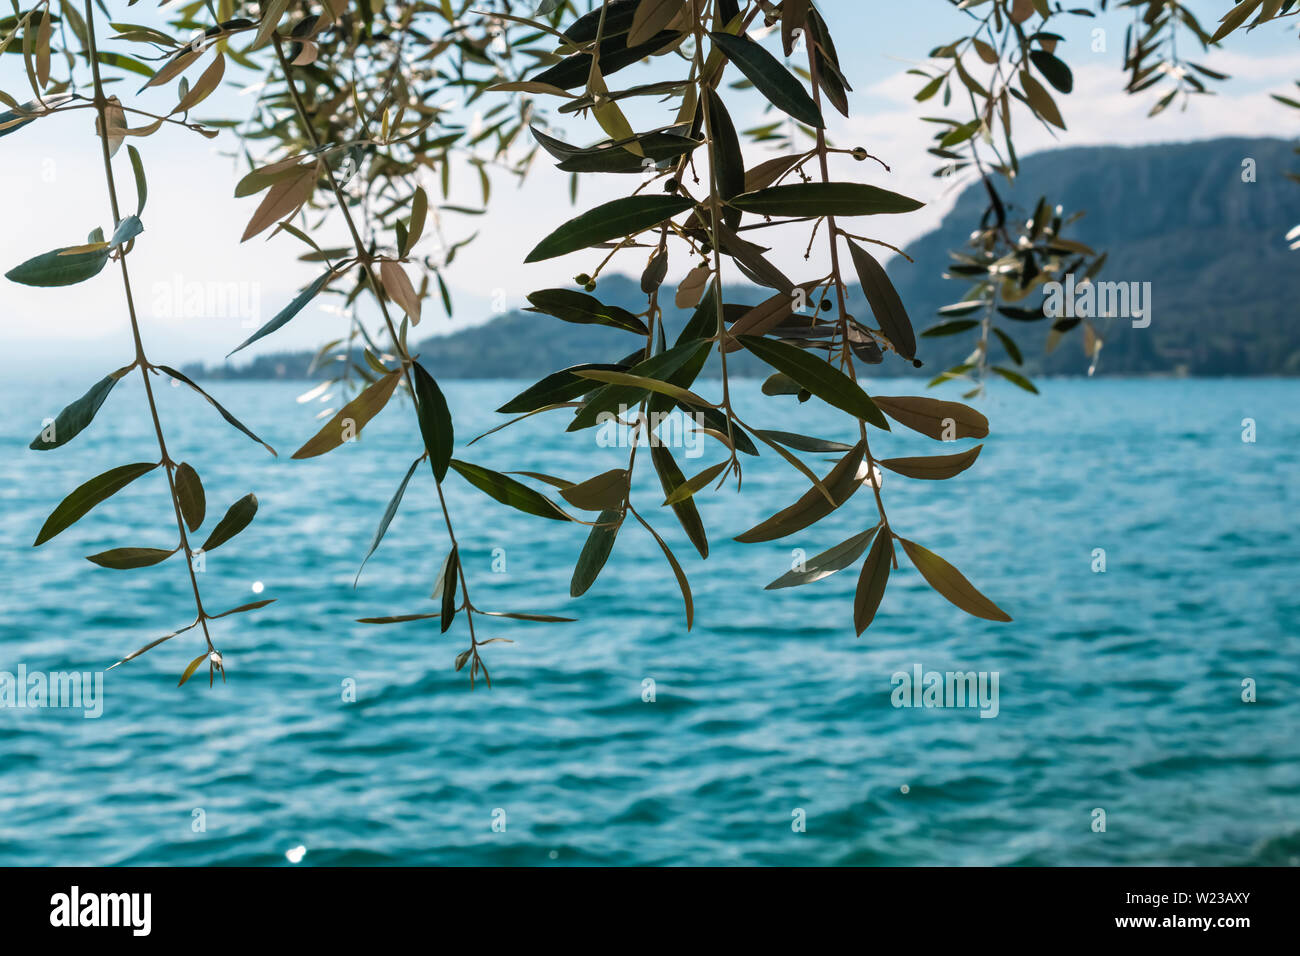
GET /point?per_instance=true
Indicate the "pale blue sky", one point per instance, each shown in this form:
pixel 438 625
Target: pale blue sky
pixel 51 176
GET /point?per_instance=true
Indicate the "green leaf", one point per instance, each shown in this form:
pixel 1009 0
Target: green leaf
pixel 521 616
pixel 193 666
pixel 673 563
pixel 56 269
pixel 243 607
pixel 152 644
pixel 951 583
pixel 123 559
pixel 231 419
pixel 1009 344
pixel 189 491
pixel 841 483
pixel 799 466
pixel 872 581
pixel 824 199
pixel 1234 18
pixel 817 376
pixel 583 309
pixel 351 418
pixel 650 17
pixel 658 367
pixel 450 575
pixel 419 212
pixel 615 55
pixel 435 421
pixel 804 442
pixel 235 520
pixel 611 220
pixel 935 467
pixel 671 478
pixel 764 317
pixel 396 619
pixel 615 156
pixel 728 160
pixel 1015 378
pixel 126 230
pixel 1040 100
pixel 1057 73
pixel 86 496
pixel 942 421
pixel 508 491
pixel 827 563
pixel 770 78
pixel 949 328
pixel 601 493
pixel 646 384
pixel 689 488
pixel 596 551
pixel 70 422
pixel 288 312
pixel 884 300
pixel 141 184
pixel 389 513
pixel 562 386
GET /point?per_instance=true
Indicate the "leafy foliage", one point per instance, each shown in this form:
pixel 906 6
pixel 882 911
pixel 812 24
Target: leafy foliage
pixel 350 127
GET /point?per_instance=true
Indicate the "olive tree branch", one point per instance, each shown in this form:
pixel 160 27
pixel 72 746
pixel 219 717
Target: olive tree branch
pixel 101 107
pixel 366 261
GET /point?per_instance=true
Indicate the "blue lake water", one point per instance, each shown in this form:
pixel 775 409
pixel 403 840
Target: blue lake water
pixel 1119 691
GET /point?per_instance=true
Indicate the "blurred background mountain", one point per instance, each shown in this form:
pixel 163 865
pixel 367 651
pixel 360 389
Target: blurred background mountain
pixel 1180 216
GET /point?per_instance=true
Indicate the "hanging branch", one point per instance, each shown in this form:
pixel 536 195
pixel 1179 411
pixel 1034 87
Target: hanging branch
pixel 76 264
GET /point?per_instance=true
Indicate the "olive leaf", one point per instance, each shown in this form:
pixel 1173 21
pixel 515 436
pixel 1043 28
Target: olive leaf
pixel 72 508
pixel 172 373
pixel 951 583
pixel 688 489
pixel 447 585
pixel 243 607
pixel 678 573
pixel 351 418
pixel 508 491
pixel 943 421
pixel 872 581
pixel 934 467
pixel 817 376
pixel 884 300
pixel 191 668
pixel 288 312
pixel 235 520
pixel 189 492
pixel 435 421
pixel 611 220
pixel 842 481
pixel 827 563
pixel 769 77
pixel 671 478
pixel 600 542
pixel 556 388
pixel 605 491
pixel 70 422
pixel 64 266
pixel 122 559
pixel 583 309
pixel 824 199
pixel 389 513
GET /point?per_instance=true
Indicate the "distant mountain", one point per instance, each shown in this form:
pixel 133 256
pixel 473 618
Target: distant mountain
pixel 1224 284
